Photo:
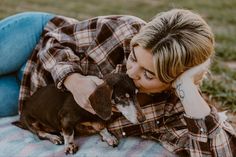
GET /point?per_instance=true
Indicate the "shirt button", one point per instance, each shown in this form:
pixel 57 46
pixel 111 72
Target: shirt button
pixel 123 133
pixel 157 122
pixel 201 129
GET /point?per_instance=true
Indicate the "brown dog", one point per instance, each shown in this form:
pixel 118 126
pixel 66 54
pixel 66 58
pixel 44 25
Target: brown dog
pixel 54 115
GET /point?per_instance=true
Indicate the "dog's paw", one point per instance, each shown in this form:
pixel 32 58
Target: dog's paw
pixel 71 148
pixel 111 140
pixel 55 139
pixel 58 140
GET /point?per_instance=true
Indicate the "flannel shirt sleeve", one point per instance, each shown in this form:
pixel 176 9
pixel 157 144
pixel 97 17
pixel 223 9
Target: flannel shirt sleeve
pixel 58 55
pixel 211 136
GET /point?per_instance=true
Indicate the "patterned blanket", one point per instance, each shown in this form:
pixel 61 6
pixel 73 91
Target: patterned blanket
pixel 15 142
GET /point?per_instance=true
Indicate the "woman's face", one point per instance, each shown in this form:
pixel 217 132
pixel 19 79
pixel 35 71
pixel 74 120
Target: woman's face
pixel 140 68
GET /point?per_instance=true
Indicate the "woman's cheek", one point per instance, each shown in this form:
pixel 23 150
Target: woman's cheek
pixel 128 65
pixel 145 84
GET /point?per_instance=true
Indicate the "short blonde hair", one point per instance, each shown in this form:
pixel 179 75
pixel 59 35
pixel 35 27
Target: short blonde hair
pixel 179 39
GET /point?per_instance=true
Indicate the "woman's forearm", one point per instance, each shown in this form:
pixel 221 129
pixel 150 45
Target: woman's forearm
pixel 194 105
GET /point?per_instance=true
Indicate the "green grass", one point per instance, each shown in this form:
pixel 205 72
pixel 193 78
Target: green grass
pixel 221 86
pixel 220 14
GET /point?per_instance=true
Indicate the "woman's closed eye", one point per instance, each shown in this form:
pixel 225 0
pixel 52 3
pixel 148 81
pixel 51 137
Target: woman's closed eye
pixel 148 75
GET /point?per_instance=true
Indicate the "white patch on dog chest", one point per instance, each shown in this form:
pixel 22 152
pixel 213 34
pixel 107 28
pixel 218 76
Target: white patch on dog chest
pixel 129 112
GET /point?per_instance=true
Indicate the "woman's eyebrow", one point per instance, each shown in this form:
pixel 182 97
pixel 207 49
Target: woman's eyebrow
pixel 134 53
pixel 150 72
pixel 137 61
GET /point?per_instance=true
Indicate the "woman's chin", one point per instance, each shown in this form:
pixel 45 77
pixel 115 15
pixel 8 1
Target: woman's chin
pixel 148 91
pixel 144 91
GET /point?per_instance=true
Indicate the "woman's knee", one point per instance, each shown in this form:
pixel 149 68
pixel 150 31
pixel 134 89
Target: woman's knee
pixel 9 94
pixel 19 34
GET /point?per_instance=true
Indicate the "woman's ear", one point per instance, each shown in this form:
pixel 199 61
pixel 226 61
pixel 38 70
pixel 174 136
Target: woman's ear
pixel 100 101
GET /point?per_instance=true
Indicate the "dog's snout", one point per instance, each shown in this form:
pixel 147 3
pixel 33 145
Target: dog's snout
pixel 141 117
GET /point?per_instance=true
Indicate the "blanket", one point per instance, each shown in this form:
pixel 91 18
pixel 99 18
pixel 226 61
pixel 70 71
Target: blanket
pixel 16 142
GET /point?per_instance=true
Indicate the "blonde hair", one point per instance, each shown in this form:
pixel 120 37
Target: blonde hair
pixel 179 39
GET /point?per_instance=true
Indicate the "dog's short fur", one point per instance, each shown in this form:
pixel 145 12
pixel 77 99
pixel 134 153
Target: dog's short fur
pixel 50 113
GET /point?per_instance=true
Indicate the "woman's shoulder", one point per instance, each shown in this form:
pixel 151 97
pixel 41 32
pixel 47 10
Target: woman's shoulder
pixel 111 20
pixel 121 17
pixel 124 18
pixel 127 19
pixel 60 21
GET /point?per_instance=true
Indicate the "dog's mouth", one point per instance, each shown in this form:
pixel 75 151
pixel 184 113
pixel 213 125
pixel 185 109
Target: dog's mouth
pixel 140 115
pixel 114 109
pixel 131 111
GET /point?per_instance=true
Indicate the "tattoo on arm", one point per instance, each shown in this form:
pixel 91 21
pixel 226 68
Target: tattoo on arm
pixel 180 91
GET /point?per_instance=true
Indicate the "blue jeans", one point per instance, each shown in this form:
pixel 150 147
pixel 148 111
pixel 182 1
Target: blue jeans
pixel 19 34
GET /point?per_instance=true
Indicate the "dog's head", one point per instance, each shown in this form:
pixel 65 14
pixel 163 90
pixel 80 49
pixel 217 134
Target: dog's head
pixel 117 89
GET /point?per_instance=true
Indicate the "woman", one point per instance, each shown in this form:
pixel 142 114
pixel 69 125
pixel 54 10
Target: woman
pixel 166 58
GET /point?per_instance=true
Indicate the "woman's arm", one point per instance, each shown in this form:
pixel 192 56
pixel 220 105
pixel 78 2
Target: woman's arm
pixel 58 57
pixel 81 48
pixel 206 130
pixel 195 106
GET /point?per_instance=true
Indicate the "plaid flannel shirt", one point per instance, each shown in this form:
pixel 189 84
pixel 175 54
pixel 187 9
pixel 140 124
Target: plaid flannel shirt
pixel 101 45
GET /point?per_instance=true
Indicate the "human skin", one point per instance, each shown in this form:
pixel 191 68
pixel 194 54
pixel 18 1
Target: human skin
pixel 140 68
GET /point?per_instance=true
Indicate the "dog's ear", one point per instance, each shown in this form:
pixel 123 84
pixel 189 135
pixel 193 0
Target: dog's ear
pixel 100 101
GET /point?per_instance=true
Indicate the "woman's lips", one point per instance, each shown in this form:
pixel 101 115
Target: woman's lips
pixel 136 84
pixel 139 87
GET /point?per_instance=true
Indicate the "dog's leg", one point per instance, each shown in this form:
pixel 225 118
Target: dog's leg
pixel 42 134
pixel 110 139
pixel 36 128
pixel 68 125
pixel 70 146
pixel 53 138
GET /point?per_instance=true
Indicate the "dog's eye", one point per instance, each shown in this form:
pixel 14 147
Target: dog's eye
pixel 126 95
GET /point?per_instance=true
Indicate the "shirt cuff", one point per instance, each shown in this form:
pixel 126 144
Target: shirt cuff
pixel 61 71
pixel 202 129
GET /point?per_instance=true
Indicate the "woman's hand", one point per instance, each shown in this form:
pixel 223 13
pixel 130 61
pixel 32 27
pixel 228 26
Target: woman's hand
pixel 82 87
pixel 186 89
pixel 194 74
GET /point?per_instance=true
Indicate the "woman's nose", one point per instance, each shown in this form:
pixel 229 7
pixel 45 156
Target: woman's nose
pixel 133 72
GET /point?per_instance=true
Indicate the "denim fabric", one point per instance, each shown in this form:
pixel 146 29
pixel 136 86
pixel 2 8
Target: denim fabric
pixel 19 35
pixel 9 92
pixel 20 72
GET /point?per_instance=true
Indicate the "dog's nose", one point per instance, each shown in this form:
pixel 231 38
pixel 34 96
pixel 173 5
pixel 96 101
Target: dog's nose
pixel 141 117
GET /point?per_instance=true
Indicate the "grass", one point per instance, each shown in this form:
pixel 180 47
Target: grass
pixel 222 86
pixel 218 13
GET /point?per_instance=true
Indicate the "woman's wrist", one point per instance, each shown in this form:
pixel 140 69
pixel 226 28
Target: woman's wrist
pixel 194 105
pixel 181 85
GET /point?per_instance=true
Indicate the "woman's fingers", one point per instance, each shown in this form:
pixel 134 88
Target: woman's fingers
pixel 85 104
pixel 195 73
pixel 82 87
pixel 199 69
pixel 96 80
pixel 89 108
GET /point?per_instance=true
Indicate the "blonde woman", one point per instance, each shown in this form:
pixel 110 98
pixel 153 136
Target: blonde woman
pixel 166 57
